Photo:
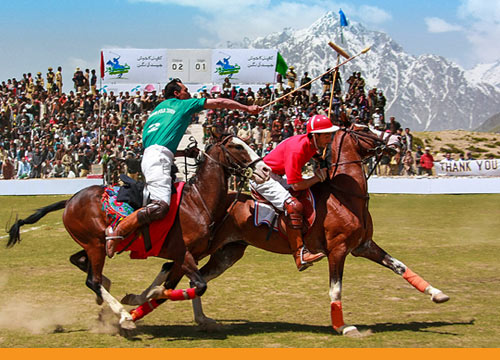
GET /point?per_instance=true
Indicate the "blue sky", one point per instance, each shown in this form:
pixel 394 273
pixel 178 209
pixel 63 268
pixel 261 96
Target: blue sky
pixel 70 33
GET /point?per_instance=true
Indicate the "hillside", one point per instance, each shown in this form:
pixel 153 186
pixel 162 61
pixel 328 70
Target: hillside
pixel 491 125
pixel 482 144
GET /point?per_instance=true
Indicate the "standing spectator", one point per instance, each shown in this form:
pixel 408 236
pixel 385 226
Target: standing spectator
pixel 50 81
pixel 79 81
pixel 59 80
pixel 93 82
pixel 291 77
pixel 427 161
pixel 418 156
pixel 469 156
pixel 226 85
pixel 245 134
pixel 306 89
pixel 409 139
pixel 326 80
pixel 408 162
pixel 36 164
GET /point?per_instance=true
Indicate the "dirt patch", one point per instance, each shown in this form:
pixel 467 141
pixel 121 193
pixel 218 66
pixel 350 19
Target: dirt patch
pixel 482 145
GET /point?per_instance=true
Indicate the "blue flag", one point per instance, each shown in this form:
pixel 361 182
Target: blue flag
pixel 343 19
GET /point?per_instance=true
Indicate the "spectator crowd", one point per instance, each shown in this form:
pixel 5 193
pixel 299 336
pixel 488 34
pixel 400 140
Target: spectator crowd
pixel 45 132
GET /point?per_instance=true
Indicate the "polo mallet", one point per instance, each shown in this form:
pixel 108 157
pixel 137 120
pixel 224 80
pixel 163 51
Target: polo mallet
pixel 317 77
pixel 339 51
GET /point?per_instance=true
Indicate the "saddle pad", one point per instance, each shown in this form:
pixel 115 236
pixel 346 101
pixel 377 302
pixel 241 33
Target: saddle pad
pixel 158 230
pixel 265 213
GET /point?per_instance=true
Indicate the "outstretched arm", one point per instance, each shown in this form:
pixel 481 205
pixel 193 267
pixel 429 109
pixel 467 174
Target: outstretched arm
pixel 223 103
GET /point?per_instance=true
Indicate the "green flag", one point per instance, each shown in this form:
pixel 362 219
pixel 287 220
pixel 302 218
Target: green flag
pixel 281 66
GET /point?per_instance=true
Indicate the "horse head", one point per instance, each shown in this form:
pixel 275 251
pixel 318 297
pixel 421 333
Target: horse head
pixel 373 142
pixel 240 160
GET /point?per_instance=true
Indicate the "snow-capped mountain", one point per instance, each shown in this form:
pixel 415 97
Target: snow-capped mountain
pixel 486 73
pixel 424 92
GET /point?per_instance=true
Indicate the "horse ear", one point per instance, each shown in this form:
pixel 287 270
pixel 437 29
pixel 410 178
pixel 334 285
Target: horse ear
pixel 343 119
pixel 215 134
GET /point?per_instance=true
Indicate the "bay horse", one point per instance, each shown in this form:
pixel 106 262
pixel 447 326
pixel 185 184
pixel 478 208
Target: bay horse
pixel 190 234
pixel 343 226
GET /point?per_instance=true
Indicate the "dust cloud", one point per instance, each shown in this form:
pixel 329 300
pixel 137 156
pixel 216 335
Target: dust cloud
pixel 19 314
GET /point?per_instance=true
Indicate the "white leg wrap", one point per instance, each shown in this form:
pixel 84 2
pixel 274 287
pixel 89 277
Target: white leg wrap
pixel 347 328
pixel 432 291
pixel 115 306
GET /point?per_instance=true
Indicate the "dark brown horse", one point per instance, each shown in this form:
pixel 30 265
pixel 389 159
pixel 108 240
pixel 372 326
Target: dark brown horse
pixel 343 226
pixel 190 234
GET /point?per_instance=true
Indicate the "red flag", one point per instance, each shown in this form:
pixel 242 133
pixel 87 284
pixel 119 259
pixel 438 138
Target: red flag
pixel 102 65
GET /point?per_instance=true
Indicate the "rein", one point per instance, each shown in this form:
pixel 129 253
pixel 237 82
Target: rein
pixel 378 152
pixel 241 171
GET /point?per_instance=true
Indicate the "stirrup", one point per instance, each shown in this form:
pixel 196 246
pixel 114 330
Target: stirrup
pixel 110 243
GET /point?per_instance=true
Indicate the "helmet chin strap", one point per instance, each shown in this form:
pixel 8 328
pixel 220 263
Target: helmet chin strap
pixel 314 141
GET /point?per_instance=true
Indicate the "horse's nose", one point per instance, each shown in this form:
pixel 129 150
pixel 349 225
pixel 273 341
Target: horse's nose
pixel 262 172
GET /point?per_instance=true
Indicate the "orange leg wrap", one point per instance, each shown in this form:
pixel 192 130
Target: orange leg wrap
pixel 337 317
pixel 416 281
pixel 144 309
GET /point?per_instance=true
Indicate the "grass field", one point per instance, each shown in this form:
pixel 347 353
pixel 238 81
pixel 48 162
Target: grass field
pixel 452 241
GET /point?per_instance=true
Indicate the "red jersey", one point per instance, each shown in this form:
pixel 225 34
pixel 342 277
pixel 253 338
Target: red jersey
pixel 290 156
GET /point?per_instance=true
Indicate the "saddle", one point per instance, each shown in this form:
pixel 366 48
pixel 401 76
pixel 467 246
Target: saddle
pixel 266 213
pixel 120 201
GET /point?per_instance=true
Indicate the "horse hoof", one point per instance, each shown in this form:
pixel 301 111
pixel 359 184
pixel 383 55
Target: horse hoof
pixel 155 292
pixel 131 299
pixel 440 298
pixel 127 325
pixel 351 331
pixel 99 300
pixel 209 324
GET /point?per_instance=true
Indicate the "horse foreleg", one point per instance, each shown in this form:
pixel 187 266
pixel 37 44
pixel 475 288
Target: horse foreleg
pixel 372 251
pixel 94 281
pixel 133 299
pixel 218 263
pixel 336 261
pixel 159 294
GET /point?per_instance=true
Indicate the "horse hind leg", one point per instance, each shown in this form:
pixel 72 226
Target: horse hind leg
pixel 81 261
pixel 370 250
pixel 97 257
pixel 219 262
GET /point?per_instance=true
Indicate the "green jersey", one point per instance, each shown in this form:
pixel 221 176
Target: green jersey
pixel 169 121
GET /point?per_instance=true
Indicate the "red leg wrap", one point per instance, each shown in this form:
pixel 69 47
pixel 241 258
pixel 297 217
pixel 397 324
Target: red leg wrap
pixel 180 294
pixel 337 317
pixel 416 281
pixel 144 309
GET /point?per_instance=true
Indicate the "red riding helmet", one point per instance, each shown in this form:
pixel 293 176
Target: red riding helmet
pixel 320 124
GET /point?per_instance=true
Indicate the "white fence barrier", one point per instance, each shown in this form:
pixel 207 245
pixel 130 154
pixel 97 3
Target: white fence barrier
pixel 376 185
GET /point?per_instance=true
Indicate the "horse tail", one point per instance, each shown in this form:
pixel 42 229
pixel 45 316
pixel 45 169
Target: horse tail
pixel 14 233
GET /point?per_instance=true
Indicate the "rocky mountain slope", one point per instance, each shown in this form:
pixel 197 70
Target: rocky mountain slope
pixel 425 92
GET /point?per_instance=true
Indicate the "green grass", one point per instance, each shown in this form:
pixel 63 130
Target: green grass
pixel 450 240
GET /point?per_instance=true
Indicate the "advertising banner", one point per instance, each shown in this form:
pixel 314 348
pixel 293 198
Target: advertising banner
pixel 244 66
pixel 134 66
pixel 488 167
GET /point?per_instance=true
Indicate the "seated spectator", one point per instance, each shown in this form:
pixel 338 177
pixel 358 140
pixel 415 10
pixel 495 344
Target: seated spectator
pixel 23 168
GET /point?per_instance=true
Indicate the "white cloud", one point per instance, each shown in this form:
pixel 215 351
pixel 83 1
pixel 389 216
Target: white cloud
pixel 373 15
pixel 437 25
pixel 483 28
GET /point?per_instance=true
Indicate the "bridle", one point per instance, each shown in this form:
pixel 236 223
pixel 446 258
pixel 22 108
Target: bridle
pixel 233 166
pixel 362 135
pixel 242 171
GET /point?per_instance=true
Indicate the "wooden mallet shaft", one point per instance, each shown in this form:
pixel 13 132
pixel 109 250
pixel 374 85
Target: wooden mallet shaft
pixel 317 77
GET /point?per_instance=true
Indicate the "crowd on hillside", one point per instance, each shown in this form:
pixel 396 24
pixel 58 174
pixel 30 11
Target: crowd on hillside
pixel 45 132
